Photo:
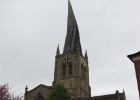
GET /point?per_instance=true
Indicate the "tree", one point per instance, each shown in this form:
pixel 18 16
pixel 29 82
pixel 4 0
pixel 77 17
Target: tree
pixel 5 93
pixel 59 93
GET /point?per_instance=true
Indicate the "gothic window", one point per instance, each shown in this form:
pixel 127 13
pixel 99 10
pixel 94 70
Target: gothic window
pixel 83 71
pixel 64 70
pixel 39 97
pixel 70 69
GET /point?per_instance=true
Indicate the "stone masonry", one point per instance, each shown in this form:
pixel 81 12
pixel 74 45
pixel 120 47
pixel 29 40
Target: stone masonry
pixel 71 69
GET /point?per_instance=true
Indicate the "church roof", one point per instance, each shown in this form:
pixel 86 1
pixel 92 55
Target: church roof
pixel 116 96
pixel 72 41
pixel 41 85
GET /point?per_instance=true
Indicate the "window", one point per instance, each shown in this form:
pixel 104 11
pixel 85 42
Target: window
pixel 83 72
pixel 64 70
pixel 70 69
pixel 39 97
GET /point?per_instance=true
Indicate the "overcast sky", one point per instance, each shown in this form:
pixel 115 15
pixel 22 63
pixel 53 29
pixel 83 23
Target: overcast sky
pixel 30 31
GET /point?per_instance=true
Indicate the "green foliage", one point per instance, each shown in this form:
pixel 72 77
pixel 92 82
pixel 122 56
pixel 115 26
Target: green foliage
pixel 59 93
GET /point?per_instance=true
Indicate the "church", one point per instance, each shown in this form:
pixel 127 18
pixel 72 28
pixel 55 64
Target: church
pixel 71 69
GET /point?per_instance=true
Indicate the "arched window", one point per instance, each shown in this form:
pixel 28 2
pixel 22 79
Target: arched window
pixel 70 69
pixel 39 97
pixel 64 70
pixel 83 72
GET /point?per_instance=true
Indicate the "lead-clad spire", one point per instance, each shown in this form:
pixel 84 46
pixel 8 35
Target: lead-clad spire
pixel 72 41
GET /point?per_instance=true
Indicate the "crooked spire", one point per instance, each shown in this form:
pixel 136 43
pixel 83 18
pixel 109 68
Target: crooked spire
pixel 72 41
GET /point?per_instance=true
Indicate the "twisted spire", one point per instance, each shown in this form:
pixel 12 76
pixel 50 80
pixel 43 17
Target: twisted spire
pixel 72 41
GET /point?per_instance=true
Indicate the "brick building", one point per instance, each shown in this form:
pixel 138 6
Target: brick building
pixel 135 58
pixel 71 69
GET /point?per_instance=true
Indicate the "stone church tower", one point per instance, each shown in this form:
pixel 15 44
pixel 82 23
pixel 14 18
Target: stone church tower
pixel 71 67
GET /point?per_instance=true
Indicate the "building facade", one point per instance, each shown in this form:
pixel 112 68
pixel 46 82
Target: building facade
pixel 135 58
pixel 71 69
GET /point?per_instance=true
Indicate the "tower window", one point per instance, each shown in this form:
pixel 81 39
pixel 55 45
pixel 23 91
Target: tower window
pixel 64 70
pixel 83 71
pixel 70 69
